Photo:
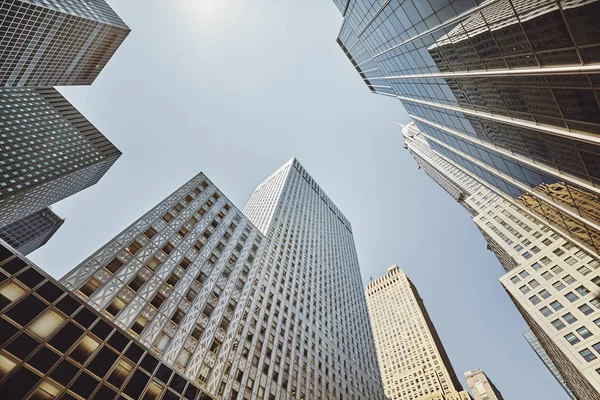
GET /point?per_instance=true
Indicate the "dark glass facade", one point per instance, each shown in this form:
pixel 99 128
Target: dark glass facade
pixel 53 345
pixel 31 232
pixel 39 46
pixel 48 151
pixel 508 89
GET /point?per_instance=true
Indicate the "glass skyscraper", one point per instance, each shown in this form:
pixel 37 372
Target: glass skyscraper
pixel 31 232
pixel 48 151
pixel 508 89
pixel 267 304
pixel 56 42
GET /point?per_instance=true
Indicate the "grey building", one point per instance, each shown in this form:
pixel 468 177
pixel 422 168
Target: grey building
pixel 56 42
pixel 263 305
pixel 53 344
pixel 31 232
pixel 508 89
pixel 541 353
pixel 48 151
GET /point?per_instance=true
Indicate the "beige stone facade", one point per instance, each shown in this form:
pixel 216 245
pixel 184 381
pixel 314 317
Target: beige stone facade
pixel 412 359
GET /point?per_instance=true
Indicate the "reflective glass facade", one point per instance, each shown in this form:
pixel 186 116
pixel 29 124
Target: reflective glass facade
pixel 31 232
pixel 48 151
pixel 50 42
pixel 52 344
pixel 507 88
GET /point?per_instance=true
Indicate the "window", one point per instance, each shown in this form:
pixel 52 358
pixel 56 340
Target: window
pixel 536 266
pixel 569 279
pixel 587 355
pixel 524 289
pixel 582 290
pixel 173 279
pixel 572 297
pixel 515 279
pixel 154 263
pixel 597 321
pixel 168 248
pixel 90 287
pixel 545 260
pixel 572 339
pixel 185 263
pixel 6 365
pixel 547 275
pixel 114 307
pixel 586 309
pixel 133 248
pixel 139 324
pixel 558 324
pixel 178 316
pixel 153 392
pixel 558 285
pixel 545 294
pixel 10 292
pixel 595 302
pixel 136 283
pixel 167 217
pixel 584 332
pixel 158 299
pixel 120 373
pixel 596 280
pixel 569 318
pixel 533 283
pixel 534 300
pixel 84 349
pixel 584 270
pixel 524 274
pixel 556 305
pixel 114 265
pixel 559 252
pixel 184 358
pixel 545 311
pixel 46 324
pixel 46 391
pixel 150 233
pixel 163 342
pixel 571 260
pixel 556 269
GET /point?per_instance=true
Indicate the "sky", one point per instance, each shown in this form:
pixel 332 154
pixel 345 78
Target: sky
pixel 235 88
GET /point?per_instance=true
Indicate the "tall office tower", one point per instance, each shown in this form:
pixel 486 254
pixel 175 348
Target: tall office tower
pixel 53 344
pixel 31 232
pixel 539 350
pixel 481 387
pixel 508 89
pixel 412 359
pixel 56 42
pixel 180 279
pixel 243 315
pixel 319 315
pixel 552 280
pixel 48 151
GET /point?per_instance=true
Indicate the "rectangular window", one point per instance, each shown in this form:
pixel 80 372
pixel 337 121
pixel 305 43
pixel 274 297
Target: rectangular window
pixel 150 233
pixel 586 309
pixel 556 305
pixel 534 300
pixel 545 294
pixel 569 318
pixel 572 297
pixel 572 339
pixel 558 324
pixel 584 332
pixel 587 355
pixel 90 287
pixel 114 265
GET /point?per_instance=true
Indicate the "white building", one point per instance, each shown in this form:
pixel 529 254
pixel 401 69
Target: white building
pixel 553 282
pixel 481 387
pixel 272 311
pixel 412 359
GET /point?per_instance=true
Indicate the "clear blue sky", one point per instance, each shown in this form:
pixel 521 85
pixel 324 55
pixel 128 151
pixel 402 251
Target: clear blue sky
pixel 235 88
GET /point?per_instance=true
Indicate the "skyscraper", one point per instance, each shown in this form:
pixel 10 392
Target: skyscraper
pixel 507 89
pixel 56 42
pixel 267 305
pixel 31 232
pixel 551 279
pixel 412 359
pixel 481 387
pixel 541 353
pixel 48 151
pixel 53 344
